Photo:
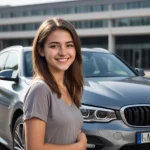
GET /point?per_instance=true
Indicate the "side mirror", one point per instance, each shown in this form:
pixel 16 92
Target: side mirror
pixel 9 74
pixel 140 71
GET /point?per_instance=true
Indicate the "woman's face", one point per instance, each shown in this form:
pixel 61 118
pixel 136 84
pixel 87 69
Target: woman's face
pixel 59 50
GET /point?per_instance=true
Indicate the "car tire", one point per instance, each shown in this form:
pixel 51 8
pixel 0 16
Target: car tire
pixel 18 135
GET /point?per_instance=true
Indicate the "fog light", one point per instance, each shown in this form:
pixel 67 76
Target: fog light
pixel 90 145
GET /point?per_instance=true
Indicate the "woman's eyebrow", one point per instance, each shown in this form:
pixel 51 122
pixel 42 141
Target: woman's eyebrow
pixel 69 42
pixel 59 43
pixel 53 43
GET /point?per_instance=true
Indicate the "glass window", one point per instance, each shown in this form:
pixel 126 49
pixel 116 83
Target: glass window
pixel 12 61
pixel 28 64
pixel 29 27
pixel 49 11
pixel 3 58
pixel 71 10
pixel 122 22
pixel 15 14
pixel 97 64
pixel 37 25
pixel 83 9
pixel 37 12
pixel 104 7
pixel 80 9
pixel 90 24
pixel 56 11
pixel 5 15
pixel 96 8
pixel 26 13
pixel 11 65
pixel 119 6
pixel 6 28
pixel 146 4
pixel 18 27
pixel 136 21
pixel 96 23
pixel 131 21
pixel 105 23
pixel 133 5
pixel 63 10
pixel 146 21
pixel 1 28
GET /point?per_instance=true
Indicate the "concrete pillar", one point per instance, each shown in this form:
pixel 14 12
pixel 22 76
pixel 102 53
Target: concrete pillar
pixel 111 43
pixel 111 37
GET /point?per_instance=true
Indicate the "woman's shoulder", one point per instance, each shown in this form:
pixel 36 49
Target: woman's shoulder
pixel 39 85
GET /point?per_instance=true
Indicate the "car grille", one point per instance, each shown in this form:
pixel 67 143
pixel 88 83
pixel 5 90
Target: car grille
pixel 137 115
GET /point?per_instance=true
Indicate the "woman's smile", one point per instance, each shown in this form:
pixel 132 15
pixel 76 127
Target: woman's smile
pixel 62 60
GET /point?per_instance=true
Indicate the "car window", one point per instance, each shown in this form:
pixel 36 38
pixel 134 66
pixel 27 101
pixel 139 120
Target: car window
pixel 28 64
pixel 11 66
pixel 114 67
pixel 3 58
pixel 90 67
pixel 98 64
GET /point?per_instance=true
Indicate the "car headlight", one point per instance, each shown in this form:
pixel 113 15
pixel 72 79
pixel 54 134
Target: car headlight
pixel 94 114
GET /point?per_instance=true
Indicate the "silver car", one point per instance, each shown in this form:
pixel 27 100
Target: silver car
pixel 115 102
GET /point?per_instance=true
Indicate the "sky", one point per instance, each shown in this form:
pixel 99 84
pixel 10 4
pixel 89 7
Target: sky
pixel 26 2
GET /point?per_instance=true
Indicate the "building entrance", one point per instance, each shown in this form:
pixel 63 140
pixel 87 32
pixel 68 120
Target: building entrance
pixel 135 50
pixel 137 58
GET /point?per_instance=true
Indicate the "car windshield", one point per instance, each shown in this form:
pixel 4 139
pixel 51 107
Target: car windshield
pixel 95 64
pixel 98 64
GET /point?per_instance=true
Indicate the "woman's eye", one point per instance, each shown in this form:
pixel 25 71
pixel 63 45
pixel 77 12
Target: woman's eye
pixel 70 45
pixel 53 46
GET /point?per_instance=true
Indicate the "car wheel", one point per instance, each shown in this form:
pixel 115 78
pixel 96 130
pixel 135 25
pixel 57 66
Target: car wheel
pixel 18 135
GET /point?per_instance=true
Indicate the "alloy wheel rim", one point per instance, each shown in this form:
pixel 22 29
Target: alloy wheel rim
pixel 19 143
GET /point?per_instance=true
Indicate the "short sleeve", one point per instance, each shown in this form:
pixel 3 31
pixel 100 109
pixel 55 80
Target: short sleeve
pixel 37 102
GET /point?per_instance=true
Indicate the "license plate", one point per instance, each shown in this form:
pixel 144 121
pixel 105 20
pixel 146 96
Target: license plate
pixel 143 137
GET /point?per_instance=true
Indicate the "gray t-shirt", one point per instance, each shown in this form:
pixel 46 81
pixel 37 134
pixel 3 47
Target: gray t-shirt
pixel 63 122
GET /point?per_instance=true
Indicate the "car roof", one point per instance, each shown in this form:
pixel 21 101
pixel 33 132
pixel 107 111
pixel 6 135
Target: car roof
pixel 16 47
pixel 29 48
pixel 95 50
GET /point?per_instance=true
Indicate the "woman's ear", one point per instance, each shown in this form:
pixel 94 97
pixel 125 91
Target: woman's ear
pixel 41 51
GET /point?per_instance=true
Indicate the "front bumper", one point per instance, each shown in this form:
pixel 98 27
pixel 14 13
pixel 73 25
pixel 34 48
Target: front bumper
pixel 111 136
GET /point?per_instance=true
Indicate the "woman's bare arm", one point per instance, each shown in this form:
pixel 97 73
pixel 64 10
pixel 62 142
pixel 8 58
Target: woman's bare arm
pixel 35 133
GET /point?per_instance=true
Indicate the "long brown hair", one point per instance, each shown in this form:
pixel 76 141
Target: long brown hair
pixel 73 76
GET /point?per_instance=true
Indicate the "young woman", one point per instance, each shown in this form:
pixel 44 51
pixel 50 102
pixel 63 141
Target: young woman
pixel 52 118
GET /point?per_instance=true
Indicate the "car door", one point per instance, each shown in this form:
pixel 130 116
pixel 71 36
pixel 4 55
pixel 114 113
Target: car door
pixel 7 96
pixel 3 58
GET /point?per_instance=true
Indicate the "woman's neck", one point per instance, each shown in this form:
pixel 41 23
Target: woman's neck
pixel 59 77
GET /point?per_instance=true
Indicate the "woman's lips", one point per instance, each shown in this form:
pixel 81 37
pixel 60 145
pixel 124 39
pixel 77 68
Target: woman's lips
pixel 62 59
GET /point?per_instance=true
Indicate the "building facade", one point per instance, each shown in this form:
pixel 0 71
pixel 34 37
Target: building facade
pixel 121 26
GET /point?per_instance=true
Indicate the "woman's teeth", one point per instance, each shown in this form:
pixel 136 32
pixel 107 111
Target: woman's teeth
pixel 62 60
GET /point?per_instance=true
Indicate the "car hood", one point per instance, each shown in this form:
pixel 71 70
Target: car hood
pixel 116 92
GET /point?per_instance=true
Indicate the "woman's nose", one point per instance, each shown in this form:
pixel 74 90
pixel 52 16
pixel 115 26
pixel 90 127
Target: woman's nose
pixel 62 50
